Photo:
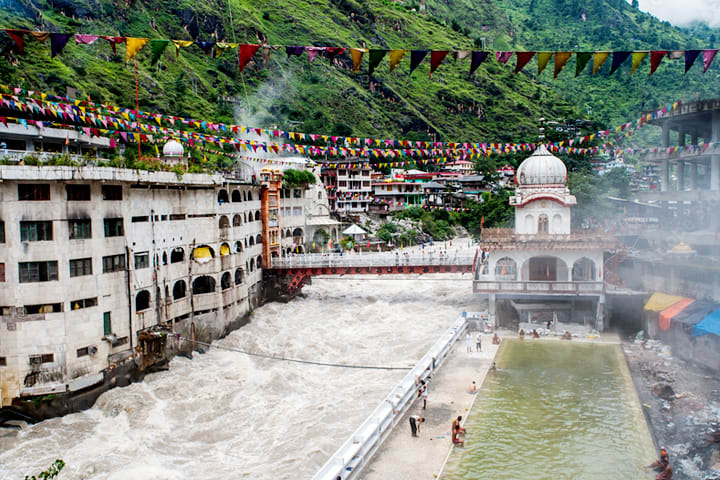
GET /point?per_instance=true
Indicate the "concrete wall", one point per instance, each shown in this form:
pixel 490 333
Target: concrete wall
pixel 568 257
pixel 526 217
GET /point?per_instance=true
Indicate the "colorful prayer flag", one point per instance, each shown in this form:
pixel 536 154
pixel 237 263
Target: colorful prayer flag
pixel 134 45
pixel 416 56
pixel 598 60
pixel 543 58
pixel 561 59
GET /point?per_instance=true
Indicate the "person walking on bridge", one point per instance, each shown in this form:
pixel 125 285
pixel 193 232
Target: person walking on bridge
pixel 415 421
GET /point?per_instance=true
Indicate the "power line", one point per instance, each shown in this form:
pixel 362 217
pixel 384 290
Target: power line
pixel 295 360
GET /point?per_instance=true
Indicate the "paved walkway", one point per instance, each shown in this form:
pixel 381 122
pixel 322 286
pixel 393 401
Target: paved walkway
pixel 403 457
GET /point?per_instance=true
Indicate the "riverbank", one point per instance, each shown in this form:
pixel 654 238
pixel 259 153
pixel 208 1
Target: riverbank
pixel 681 402
pixel 405 457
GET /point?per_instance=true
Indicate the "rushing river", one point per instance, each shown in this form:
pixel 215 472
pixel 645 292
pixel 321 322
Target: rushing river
pixel 555 411
pixel 225 415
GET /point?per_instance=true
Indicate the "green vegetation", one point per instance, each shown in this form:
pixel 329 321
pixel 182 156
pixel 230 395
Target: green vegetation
pixel 297 178
pixel 50 473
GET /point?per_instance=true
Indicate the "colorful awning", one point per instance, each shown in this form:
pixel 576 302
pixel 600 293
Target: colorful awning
pixel 224 250
pixel 667 314
pixel 709 324
pixel 660 301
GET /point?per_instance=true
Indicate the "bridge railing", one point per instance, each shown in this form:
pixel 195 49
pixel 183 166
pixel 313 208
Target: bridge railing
pixel 347 462
pixel 381 259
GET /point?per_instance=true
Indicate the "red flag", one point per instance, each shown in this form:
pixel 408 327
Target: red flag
pixel 656 57
pixel 436 58
pixel 522 59
pixel 18 37
pixel 245 53
pixel 482 221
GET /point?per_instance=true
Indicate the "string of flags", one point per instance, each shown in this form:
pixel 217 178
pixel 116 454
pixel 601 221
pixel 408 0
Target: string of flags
pixel 246 52
pixel 77 109
pixel 392 203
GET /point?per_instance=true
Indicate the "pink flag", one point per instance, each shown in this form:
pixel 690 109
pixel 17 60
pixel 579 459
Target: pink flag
pixel 503 57
pixel 313 51
pixel 708 57
pixel 85 39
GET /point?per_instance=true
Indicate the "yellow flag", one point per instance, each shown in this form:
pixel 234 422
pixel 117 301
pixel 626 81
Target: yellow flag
pixel 157 152
pixel 181 43
pixel 543 58
pixel 133 46
pixel 598 60
pixel 395 57
pixel 561 58
pixel 357 56
pixel 637 58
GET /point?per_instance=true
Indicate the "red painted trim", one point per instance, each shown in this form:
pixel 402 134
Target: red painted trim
pixel 552 198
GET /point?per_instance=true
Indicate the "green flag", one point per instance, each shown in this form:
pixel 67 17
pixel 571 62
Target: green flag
pixel 581 60
pixel 157 47
pixel 376 57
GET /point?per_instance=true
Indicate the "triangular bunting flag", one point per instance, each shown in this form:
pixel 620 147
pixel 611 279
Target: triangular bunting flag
pixel 395 57
pixel 181 44
pixel 637 58
pixel 656 57
pixel 245 53
pixel 708 56
pixel 476 59
pixel 598 60
pixel 113 42
pixel 157 46
pixel 617 60
pixel 297 51
pixel 543 58
pixel 561 59
pixel 416 56
pixel 85 39
pixel 676 54
pixel 58 42
pixel 357 55
pixel 581 60
pixel 18 37
pixel 134 45
pixel 522 59
pixel 40 36
pixel 690 56
pixel 503 57
pixel 436 58
pixel 313 51
pixel 332 52
pixel 374 59
pixel 220 48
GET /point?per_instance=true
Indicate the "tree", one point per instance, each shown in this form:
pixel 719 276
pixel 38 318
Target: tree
pixel 50 473
pixel 635 4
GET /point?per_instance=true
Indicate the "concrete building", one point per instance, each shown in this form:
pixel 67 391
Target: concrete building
pixel 397 195
pixel 95 263
pixel 540 270
pixel 349 186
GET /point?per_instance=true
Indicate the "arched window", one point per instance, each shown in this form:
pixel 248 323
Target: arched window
pixel 224 222
pixel 238 247
pixel 257 215
pixel 506 269
pixel 319 194
pixel 542 223
pixel 238 276
pixel 177 255
pixel 164 257
pixel 529 223
pixel 237 221
pixel 223 196
pixel 226 281
pixel 224 249
pixel 545 269
pixel 258 262
pixel 203 253
pixel 288 233
pixel 204 284
pixel 179 289
pixel 583 270
pixel 258 239
pixel 249 196
pixel 235 196
pixel 244 196
pixel 251 241
pixel 297 232
pixel 142 300
pixel 556 223
pixel 252 264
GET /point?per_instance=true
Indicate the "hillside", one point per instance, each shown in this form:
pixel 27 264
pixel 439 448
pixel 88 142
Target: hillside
pixel 288 94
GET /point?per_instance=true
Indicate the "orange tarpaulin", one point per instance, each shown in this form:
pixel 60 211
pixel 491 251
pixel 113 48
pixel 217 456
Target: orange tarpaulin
pixel 667 314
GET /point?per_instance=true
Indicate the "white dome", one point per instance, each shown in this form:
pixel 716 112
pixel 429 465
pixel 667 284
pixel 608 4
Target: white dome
pixel 541 168
pixel 173 149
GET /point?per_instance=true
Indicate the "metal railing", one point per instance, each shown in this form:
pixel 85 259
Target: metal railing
pixel 347 462
pixel 537 286
pixel 20 155
pixel 380 259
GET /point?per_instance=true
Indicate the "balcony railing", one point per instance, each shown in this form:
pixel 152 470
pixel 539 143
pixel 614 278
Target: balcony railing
pixel 381 259
pixel 43 157
pixel 514 286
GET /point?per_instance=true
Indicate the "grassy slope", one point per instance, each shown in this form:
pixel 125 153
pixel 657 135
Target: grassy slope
pixel 325 99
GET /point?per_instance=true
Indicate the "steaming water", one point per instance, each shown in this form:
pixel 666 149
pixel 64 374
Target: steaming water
pixel 555 411
pixel 226 415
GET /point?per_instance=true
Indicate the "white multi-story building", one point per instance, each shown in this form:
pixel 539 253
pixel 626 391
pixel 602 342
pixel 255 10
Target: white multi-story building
pixel 397 195
pixel 98 265
pixel 349 186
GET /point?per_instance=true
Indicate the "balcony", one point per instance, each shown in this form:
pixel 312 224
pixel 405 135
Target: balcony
pixel 535 287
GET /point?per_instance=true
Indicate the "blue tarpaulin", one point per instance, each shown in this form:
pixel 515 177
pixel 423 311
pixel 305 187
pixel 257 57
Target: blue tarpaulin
pixel 709 324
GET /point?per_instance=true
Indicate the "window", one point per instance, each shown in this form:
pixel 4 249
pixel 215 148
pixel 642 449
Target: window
pixel 38 271
pixel 40 359
pixel 43 308
pixel 78 193
pixel 177 216
pixel 2 231
pixel 80 267
pixel 80 229
pixel 107 324
pixel 36 231
pixel 297 193
pixel 32 191
pixel 2 272
pixel 84 303
pixel 141 260
pixel 112 192
pixel 297 211
pixel 82 352
pixel 3 362
pixel 114 227
pixel 140 219
pixel 113 263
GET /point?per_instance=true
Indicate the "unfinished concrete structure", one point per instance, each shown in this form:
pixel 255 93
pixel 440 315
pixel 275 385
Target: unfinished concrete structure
pixel 540 269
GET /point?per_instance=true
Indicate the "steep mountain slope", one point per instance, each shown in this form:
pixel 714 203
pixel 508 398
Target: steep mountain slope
pixel 494 105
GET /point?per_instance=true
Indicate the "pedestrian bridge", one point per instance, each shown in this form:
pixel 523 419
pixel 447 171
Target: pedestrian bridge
pixel 294 271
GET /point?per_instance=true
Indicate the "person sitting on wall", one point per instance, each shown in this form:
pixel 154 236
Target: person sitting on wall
pixel 473 388
pixel 535 334
pixel 496 339
pixel 566 336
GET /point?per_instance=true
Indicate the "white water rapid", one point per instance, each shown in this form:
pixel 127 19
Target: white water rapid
pixel 225 415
